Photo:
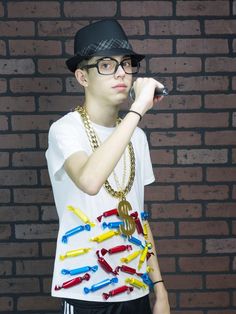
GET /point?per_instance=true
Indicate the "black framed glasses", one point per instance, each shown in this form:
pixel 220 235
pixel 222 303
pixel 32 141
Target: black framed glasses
pixel 108 66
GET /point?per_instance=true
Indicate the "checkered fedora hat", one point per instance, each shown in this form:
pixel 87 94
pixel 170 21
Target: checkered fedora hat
pixel 103 38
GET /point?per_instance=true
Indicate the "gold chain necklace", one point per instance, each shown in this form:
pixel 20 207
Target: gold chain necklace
pixel 124 206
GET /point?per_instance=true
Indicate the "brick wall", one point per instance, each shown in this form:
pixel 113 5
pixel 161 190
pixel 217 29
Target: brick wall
pixel 190 47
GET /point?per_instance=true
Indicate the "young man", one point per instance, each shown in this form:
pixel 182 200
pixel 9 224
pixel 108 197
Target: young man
pixel 98 165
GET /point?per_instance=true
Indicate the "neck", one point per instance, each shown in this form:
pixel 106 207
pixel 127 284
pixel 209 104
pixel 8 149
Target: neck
pixel 105 115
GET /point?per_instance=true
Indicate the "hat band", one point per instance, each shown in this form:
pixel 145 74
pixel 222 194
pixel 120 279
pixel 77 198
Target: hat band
pixel 105 45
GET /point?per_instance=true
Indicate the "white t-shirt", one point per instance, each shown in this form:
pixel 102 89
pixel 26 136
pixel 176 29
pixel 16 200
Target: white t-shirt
pixel 67 136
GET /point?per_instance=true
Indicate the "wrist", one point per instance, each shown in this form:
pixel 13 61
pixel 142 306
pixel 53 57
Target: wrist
pixel 137 113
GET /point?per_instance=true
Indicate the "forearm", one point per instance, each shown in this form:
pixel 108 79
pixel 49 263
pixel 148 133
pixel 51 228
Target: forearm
pixel 100 164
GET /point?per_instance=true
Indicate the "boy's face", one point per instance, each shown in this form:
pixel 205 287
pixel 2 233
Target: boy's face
pixel 104 85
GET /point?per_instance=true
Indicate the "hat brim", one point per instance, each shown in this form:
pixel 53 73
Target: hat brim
pixel 73 62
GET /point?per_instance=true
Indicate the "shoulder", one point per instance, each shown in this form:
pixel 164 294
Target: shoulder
pixel 69 122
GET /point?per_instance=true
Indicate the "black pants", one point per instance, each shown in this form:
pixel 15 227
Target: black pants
pixel 138 306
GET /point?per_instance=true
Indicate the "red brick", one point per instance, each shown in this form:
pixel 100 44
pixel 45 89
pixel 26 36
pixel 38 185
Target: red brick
pixel 234 155
pixel 234 83
pixel 221 281
pixel 203 192
pixel 44 178
pixel 175 65
pixel 223 174
pixel 14 141
pixel 83 9
pixel 29 159
pixel 36 85
pixel 146 8
pixel 174 174
pixel 180 102
pixel 152 46
pixel 1 10
pixel 3 85
pixel 202 8
pixel 162 229
pixel 173 210
pixel 162 156
pixel 187 312
pixel 35 47
pixel 183 282
pixel 5 232
pixel 14 285
pixel 220 138
pixel 32 122
pixel 38 303
pixel 133 27
pixel 204 264
pixel 52 66
pixel 49 213
pixel 18 250
pixel 220 27
pixel 6 304
pixel 160 193
pixel 43 141
pixel 203 228
pixel 47 283
pixel 35 9
pixel 202 156
pixel 48 249
pixel 234 119
pixel 18 213
pixel 220 64
pixel 17 28
pixel 179 246
pixel 203 83
pixel 169 28
pixel 33 195
pixel 222 311
pixel 234 45
pixel 18 177
pixel 202 46
pixel 4 159
pixel 4 196
pixel 221 210
pixel 167 264
pixel 60 28
pixel 58 103
pixel 36 231
pixel 179 138
pixel 162 120
pixel 34 267
pixel 204 299
pixel 220 246
pixel 203 120
pixel 2 48
pixel 220 101
pixel 17 66
pixel 4 123
pixel 23 103
pixel 234 192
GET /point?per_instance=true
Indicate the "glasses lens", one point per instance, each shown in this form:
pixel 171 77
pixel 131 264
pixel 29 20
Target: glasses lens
pixel 130 66
pixel 106 66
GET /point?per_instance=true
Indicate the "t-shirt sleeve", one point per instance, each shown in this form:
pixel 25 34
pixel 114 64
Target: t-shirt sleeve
pixel 148 174
pixel 63 141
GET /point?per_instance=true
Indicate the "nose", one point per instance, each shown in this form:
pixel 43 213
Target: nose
pixel 120 71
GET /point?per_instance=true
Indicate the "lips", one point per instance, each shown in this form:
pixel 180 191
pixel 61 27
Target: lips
pixel 120 86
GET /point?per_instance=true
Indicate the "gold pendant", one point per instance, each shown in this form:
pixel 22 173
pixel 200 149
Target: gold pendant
pixel 123 210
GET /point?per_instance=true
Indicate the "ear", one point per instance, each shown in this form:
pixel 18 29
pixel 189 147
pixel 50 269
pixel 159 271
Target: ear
pixel 81 77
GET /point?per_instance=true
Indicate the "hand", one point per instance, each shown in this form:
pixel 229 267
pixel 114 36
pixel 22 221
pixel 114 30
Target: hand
pixel 144 94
